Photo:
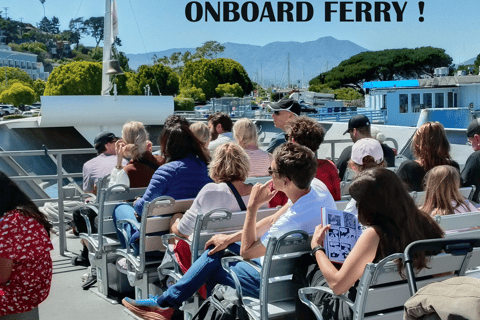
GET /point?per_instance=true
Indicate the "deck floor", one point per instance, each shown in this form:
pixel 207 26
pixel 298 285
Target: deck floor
pixel 67 299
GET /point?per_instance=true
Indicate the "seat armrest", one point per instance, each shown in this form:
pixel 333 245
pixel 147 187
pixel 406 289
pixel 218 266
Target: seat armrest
pixel 123 232
pixel 226 261
pixel 302 294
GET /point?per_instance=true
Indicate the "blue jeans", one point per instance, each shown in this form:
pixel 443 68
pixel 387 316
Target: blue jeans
pixel 126 211
pixel 208 270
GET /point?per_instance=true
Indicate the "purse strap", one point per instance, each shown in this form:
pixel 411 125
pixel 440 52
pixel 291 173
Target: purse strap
pixel 241 204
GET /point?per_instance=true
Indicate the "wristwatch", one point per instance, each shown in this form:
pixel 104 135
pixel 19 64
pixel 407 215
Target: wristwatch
pixel 314 250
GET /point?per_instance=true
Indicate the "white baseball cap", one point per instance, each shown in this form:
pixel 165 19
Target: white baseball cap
pixel 367 147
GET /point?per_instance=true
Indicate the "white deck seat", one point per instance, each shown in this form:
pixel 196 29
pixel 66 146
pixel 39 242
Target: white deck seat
pixel 155 220
pixel 105 242
pixel 277 293
pixel 381 291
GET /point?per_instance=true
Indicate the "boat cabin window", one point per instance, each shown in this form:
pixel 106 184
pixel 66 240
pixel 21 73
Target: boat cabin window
pixel 403 103
pixel 439 100
pixel 415 102
pixel 452 100
pixel 427 100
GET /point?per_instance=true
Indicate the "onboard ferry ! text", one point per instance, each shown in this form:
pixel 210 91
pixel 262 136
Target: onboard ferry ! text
pixel 230 11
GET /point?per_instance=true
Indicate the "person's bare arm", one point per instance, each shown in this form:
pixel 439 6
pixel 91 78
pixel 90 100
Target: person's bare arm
pixel 251 246
pixel 6 266
pixel 221 241
pixel 174 229
pixel 352 269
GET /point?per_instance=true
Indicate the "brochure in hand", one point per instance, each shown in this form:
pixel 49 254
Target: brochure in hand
pixel 343 234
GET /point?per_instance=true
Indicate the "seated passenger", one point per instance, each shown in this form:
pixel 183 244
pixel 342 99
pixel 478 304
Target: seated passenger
pixel 471 171
pixel 25 261
pixel 431 148
pixel 229 169
pixel 181 177
pixel 134 145
pixel 293 170
pixel 309 133
pixel 359 128
pixel 366 154
pixel 202 133
pixel 220 126
pixel 393 222
pixel 245 133
pixel 443 197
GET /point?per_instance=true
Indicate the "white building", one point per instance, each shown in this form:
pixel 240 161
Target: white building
pixel 24 61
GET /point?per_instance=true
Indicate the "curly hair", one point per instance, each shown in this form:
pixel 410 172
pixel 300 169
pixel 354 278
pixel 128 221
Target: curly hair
pixel 430 146
pixel 297 163
pixel 230 163
pixel 136 137
pixel 384 204
pixel 442 185
pixel 305 131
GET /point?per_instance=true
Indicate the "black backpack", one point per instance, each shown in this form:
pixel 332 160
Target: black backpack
pixel 217 307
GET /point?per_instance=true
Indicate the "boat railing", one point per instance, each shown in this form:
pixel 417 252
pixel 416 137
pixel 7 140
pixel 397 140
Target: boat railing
pixel 378 116
pixel 59 177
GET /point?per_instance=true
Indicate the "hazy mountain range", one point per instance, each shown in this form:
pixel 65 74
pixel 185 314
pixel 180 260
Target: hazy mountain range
pixel 269 64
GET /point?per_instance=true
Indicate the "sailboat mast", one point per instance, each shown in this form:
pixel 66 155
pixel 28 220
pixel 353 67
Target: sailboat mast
pixel 107 47
pixel 289 84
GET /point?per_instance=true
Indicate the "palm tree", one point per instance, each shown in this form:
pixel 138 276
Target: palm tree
pixel 43 1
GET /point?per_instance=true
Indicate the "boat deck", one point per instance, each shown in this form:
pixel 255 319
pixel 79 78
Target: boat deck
pixel 68 299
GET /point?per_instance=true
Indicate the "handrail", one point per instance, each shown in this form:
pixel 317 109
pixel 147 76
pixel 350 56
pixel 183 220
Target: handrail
pixel 58 153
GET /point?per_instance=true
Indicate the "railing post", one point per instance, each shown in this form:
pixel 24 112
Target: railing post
pixel 61 223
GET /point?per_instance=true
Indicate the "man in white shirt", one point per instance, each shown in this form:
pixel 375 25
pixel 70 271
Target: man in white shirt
pixel 220 126
pixel 293 170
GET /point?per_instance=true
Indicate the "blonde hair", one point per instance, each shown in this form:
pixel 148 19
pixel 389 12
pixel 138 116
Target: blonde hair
pixel 245 132
pixel 442 185
pixel 136 138
pixel 230 163
pixel 200 130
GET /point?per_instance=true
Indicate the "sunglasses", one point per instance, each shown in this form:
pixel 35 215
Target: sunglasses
pixel 271 171
pixel 277 112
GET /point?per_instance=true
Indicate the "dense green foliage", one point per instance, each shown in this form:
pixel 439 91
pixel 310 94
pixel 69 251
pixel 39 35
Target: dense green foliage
pixel 193 93
pixel 183 104
pixel 76 78
pixel 227 89
pixel 15 73
pixel 39 88
pixel 18 94
pixel 384 65
pixel 208 74
pixel 347 94
pixel 158 77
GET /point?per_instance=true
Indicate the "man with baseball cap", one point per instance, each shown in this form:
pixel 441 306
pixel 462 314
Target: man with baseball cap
pixel 471 171
pixel 359 128
pixel 103 163
pixel 283 111
pixel 94 169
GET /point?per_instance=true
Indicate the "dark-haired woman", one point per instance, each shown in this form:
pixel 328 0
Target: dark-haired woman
pixel 181 177
pixel 25 262
pixel 430 148
pixel 392 220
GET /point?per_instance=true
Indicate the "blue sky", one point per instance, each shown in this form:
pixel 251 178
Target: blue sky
pixel 448 24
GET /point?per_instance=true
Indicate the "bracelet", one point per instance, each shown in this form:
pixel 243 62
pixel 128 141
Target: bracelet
pixel 119 167
pixel 319 247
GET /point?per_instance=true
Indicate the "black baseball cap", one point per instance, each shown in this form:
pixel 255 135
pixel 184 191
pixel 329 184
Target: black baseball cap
pixel 103 138
pixel 288 105
pixel 473 128
pixel 357 121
